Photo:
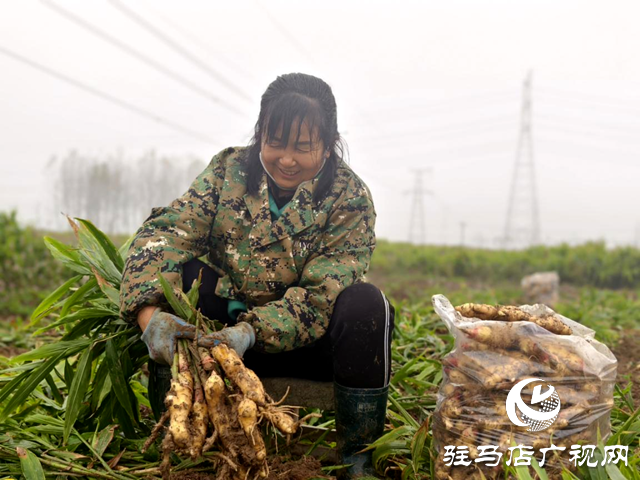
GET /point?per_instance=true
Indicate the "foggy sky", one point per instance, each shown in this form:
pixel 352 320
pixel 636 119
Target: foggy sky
pixel 419 84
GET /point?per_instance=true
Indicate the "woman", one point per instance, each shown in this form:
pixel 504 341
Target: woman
pixel 289 230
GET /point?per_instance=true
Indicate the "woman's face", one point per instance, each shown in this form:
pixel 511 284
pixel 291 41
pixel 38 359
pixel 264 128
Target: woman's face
pixel 290 165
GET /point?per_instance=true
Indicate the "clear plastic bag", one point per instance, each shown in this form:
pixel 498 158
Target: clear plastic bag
pixel 490 357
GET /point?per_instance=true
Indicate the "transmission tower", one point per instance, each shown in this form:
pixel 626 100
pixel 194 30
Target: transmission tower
pixel 522 227
pixel 417 220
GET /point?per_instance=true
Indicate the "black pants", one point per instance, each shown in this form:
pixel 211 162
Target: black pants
pixel 355 351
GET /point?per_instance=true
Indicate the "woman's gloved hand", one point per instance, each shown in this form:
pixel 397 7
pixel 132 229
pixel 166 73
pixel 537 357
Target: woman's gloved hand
pixel 240 337
pixel 161 334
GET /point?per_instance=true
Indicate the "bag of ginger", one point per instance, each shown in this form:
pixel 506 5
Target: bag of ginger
pixel 499 347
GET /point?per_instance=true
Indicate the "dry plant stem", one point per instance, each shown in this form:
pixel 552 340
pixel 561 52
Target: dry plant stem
pixel 308 416
pixel 198 321
pixel 210 442
pixel 230 462
pixel 279 402
pixel 156 431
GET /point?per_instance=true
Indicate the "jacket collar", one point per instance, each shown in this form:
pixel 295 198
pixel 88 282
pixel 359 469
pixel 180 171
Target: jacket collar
pixel 297 216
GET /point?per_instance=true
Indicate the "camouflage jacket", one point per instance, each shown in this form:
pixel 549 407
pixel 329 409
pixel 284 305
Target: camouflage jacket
pixel 288 272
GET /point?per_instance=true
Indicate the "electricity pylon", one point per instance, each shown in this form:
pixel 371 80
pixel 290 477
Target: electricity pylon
pixel 522 227
pixel 418 220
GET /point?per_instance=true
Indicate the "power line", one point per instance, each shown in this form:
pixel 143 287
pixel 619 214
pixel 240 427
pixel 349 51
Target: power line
pixel 622 102
pixel 105 96
pixel 575 99
pixel 553 126
pixel 139 56
pixel 445 130
pixel 180 49
pixel 608 160
pixel 591 146
pixel 203 45
pixel 575 121
pixel 416 148
pixel 447 103
pixel 293 40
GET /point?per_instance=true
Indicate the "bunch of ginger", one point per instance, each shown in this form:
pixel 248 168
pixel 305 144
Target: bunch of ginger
pixel 489 359
pixel 216 403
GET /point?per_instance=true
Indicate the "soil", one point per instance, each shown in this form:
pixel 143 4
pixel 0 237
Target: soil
pixel 189 475
pixel 305 468
pixel 11 351
pixel 627 351
pixel 302 469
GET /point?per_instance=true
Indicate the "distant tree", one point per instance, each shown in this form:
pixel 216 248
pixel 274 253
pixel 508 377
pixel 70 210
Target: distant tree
pixel 115 193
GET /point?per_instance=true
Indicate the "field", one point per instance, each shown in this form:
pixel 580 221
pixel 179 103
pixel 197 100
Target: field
pixel 63 390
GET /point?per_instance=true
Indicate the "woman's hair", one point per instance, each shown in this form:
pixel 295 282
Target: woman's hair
pixel 299 98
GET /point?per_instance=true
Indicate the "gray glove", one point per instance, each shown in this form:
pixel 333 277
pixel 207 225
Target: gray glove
pixel 240 337
pixel 161 334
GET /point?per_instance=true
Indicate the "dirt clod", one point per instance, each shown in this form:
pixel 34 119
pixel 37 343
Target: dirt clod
pixel 302 469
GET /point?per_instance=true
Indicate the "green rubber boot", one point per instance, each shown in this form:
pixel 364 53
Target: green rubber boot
pixel 360 416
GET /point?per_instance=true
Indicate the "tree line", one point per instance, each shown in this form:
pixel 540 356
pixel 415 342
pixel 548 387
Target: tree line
pixel 115 192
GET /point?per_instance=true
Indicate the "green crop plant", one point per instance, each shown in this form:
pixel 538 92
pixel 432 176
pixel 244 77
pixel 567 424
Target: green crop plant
pixel 71 408
pixel 27 270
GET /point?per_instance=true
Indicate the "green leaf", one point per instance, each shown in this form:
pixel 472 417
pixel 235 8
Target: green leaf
pixel 522 473
pixel 69 348
pixel 141 393
pixel 408 418
pixel 46 305
pixel 103 439
pixel 404 372
pixel 118 381
pixel 90 312
pixel 417 446
pixel 98 381
pixel 124 419
pixel 46 399
pixel 93 255
pixel 124 249
pixel 542 473
pixel 31 466
pixel 11 386
pixel 107 245
pixel 614 472
pixel 67 255
pixel 83 327
pixel 111 293
pixel 77 297
pixel 178 306
pixel 68 373
pixel 76 392
pixel 29 384
pixel 55 393
pixel 393 435
pixel 194 293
